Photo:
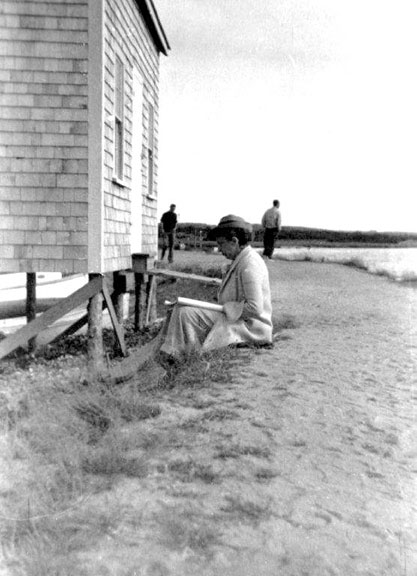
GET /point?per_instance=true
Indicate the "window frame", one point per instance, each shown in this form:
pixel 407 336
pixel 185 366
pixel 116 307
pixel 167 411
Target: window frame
pixel 119 120
pixel 151 152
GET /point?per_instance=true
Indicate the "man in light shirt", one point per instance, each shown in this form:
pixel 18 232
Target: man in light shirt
pixel 271 223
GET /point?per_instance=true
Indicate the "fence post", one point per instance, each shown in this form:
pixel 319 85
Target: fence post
pixel 95 331
pixel 31 304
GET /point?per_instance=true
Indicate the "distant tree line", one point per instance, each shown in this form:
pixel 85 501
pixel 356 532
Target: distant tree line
pixel 196 234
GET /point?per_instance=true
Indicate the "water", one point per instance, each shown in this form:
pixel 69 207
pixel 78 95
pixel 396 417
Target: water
pixel 399 264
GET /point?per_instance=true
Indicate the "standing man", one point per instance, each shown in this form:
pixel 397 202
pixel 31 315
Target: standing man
pixel 169 225
pixel 271 223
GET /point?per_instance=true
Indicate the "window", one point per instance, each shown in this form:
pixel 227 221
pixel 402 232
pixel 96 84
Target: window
pixel 119 97
pixel 150 149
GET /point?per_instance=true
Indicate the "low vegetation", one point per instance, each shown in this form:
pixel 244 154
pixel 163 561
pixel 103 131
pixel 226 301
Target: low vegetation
pixel 65 442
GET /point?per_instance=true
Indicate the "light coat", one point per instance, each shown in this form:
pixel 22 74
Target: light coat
pixel 247 282
pixel 246 298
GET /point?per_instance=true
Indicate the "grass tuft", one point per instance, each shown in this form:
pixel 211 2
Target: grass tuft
pixel 235 451
pixel 109 462
pixel 264 474
pixel 186 529
pixel 219 414
pixel 197 370
pixel 246 510
pixel 188 470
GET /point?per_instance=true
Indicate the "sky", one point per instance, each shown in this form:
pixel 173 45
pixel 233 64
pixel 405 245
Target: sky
pixel 312 102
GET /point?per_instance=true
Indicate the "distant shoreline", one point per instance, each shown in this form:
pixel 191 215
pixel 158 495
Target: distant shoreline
pixel 208 245
pixel 347 244
pixel 199 235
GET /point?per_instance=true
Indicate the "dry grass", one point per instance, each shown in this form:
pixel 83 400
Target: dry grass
pixel 246 509
pixel 189 470
pixel 265 474
pixel 67 441
pixel 62 444
pixel 187 529
pixel 231 450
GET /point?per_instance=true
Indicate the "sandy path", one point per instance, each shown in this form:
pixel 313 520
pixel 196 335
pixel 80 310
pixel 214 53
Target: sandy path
pixel 304 464
pixel 344 404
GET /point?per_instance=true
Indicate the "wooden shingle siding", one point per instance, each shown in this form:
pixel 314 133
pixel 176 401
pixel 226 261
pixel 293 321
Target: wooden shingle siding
pixel 127 37
pixel 43 135
pixel 62 205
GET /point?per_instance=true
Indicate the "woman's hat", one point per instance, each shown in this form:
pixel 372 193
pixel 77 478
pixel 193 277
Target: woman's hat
pixel 230 221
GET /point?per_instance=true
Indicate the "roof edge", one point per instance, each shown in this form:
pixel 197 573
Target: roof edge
pixel 153 22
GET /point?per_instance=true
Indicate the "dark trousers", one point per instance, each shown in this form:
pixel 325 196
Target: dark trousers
pixel 270 235
pixel 168 243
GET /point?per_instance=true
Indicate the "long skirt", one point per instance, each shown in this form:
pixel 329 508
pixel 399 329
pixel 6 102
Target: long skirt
pixel 187 328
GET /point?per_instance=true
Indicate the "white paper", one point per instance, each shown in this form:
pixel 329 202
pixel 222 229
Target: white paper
pixel 196 303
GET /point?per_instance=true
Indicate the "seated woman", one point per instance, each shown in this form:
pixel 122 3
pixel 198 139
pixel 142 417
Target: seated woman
pixel 244 294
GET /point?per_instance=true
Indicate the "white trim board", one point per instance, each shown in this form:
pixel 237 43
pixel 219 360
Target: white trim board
pixel 95 136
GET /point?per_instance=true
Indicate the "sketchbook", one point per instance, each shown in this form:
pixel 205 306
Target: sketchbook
pixel 196 303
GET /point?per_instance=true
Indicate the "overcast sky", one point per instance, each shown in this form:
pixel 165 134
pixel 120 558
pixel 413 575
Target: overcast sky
pixel 313 102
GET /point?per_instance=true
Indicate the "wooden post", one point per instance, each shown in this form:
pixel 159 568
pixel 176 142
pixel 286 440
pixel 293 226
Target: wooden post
pixel 31 304
pixel 118 329
pixel 119 290
pixel 95 331
pixel 139 266
pixel 150 299
pixel 138 300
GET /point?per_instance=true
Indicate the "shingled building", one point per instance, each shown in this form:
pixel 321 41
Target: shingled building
pixel 78 133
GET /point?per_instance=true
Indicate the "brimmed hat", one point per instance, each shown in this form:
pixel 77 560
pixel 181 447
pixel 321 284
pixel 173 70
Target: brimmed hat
pixel 231 221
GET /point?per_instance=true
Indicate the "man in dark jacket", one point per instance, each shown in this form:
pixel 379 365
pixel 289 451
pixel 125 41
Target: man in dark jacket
pixel 169 225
